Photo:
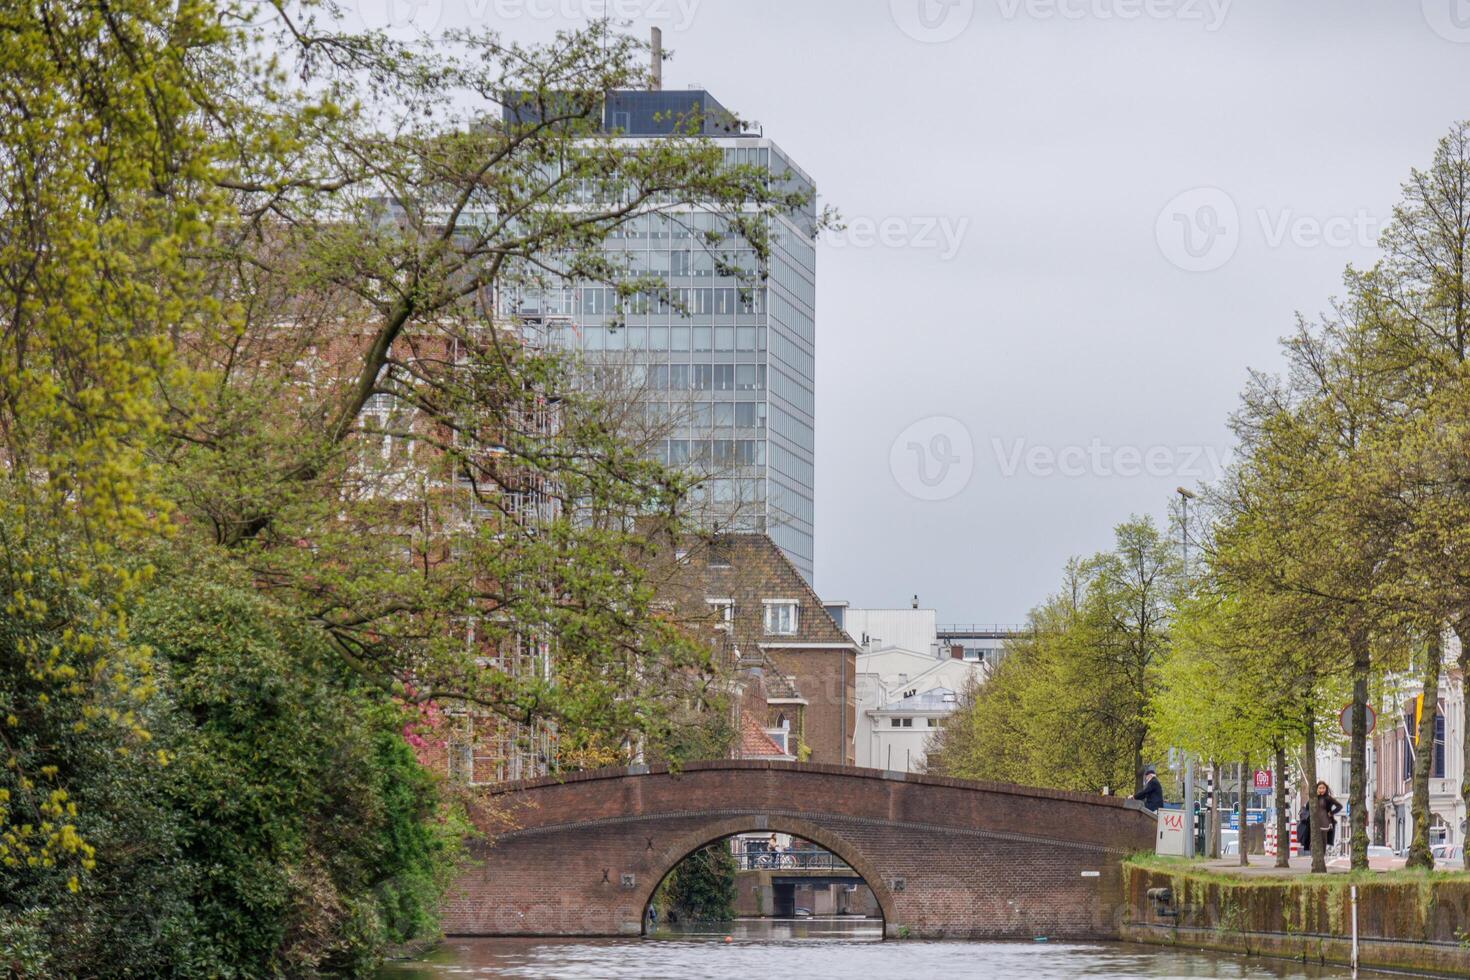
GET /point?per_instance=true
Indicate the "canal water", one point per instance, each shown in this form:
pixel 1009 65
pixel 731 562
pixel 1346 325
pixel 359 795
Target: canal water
pixel 818 949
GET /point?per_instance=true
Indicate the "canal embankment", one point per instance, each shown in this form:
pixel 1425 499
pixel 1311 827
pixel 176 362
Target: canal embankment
pixel 1416 922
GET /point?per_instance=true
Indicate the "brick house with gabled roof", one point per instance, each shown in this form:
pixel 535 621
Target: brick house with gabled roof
pixel 797 669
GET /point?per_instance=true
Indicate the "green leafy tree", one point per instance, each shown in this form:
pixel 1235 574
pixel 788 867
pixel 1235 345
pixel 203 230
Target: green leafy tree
pixel 383 438
pixel 104 158
pixel 1419 297
pixel 1069 704
pixel 1297 538
pixel 702 887
pixel 291 830
pixel 255 374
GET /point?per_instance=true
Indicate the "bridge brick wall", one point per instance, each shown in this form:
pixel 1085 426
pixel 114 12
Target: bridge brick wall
pixel 582 855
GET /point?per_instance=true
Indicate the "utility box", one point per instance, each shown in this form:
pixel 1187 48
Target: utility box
pixel 1170 839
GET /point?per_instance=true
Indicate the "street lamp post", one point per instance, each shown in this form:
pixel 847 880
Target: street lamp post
pixel 1185 497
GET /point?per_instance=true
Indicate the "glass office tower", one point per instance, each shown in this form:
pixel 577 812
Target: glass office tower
pixel 730 363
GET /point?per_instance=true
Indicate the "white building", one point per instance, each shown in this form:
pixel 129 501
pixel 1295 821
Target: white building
pixel 903 698
pixel 908 629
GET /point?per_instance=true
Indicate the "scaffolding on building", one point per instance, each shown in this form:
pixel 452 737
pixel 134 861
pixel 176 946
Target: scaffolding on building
pixel 496 487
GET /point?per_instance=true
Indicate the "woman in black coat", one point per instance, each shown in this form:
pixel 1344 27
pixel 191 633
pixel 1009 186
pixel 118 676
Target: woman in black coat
pixel 1324 814
pixel 1304 828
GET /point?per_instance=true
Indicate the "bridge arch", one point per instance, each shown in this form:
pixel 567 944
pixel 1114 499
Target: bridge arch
pixel 581 854
pixel 682 848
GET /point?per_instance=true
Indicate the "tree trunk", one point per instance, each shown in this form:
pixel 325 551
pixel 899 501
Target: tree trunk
pixel 1358 753
pixel 1462 631
pixel 1419 856
pixel 1283 830
pixel 1319 843
pixel 1212 846
pixel 1245 767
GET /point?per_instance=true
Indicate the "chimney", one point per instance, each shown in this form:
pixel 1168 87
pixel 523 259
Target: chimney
pixel 956 652
pixel 916 602
pixel 656 50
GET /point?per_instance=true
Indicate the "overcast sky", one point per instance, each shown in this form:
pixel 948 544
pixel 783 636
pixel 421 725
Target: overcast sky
pixel 1073 226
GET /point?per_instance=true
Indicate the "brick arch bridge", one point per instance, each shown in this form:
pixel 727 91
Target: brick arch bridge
pixel 581 854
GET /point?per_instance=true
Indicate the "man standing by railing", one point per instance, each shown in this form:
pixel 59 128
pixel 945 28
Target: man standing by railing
pixel 1152 793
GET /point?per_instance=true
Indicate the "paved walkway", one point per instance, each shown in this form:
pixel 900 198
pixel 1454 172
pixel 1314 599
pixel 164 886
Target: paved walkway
pixel 1266 866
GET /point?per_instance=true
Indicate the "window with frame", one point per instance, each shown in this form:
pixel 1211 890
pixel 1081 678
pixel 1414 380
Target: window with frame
pixel 724 610
pixel 1436 766
pixel 461 762
pixel 781 617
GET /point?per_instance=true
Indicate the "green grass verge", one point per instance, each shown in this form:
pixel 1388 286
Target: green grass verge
pixel 1198 870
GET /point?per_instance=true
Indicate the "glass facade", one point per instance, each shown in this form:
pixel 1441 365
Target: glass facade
pixel 727 360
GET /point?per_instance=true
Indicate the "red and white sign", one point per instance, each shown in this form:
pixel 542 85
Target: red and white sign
pixel 1345 719
pixel 1262 779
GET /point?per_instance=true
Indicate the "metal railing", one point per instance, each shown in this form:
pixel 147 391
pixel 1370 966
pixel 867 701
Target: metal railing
pixel 997 630
pixel 814 859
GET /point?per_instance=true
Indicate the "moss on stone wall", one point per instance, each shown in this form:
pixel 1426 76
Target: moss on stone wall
pixel 1406 919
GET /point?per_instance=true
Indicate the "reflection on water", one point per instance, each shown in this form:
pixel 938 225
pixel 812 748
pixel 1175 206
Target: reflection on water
pixel 845 928
pixel 818 949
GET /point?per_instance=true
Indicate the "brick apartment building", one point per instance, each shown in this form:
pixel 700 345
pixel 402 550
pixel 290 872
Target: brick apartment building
pixel 795 668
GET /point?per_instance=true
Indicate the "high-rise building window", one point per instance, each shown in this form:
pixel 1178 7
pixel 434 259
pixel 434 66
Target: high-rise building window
pixel 723 303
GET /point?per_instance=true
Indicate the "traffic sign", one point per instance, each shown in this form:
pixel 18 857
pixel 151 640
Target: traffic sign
pixel 1345 719
pixel 1262 779
pixel 1255 817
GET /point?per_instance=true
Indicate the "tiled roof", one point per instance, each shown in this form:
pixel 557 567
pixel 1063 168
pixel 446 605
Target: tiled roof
pixel 749 569
pixel 745 570
pixel 754 742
